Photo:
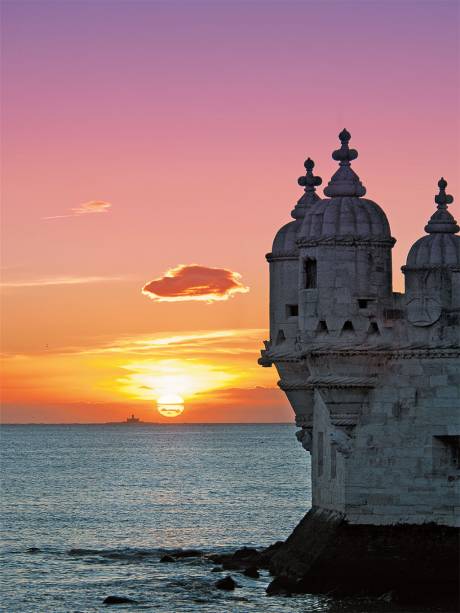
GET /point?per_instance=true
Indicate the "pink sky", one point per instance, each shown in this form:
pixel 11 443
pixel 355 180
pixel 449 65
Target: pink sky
pixel 192 121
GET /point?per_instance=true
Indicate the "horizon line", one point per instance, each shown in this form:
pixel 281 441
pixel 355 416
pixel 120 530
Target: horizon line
pixel 149 423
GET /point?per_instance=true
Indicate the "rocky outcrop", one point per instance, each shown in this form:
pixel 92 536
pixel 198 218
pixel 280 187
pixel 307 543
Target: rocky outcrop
pixel 326 554
pixel 227 583
pixel 246 558
pixel 119 600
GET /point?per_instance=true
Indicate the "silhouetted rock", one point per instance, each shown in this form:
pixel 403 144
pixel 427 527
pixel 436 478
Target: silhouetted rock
pixel 167 558
pixel 245 552
pixel 227 583
pixel 83 552
pixel 217 569
pixel 281 586
pixel 187 553
pixel 327 555
pixel 246 557
pixel 265 555
pixel 33 550
pixel 252 572
pixel 119 600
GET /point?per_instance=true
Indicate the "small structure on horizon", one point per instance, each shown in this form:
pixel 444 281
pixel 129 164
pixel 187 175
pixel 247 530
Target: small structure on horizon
pixel 132 419
pixel 373 377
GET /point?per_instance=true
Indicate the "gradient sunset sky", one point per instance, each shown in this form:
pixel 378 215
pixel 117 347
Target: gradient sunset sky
pixel 151 151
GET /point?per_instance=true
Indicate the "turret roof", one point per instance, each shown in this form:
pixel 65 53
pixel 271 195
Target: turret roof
pixel 441 246
pixel 285 240
pixel 345 215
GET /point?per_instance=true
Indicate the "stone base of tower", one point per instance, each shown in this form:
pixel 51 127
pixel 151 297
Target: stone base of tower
pixel 326 554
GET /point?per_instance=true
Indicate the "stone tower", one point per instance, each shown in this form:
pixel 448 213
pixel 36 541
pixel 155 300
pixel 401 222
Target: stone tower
pixel 373 377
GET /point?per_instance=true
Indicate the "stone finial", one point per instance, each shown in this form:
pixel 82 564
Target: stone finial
pixel 442 220
pixel 442 199
pixel 345 182
pixel 309 181
pixel 344 155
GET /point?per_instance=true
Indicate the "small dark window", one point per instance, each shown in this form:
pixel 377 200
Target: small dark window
pixel 280 338
pixel 348 327
pixel 333 461
pixel 373 328
pixel 322 327
pixel 362 303
pixel 292 310
pixel 446 454
pixel 393 313
pixel 310 273
pixel 320 453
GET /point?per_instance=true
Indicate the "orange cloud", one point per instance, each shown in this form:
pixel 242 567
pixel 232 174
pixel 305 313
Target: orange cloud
pixel 93 206
pixel 195 282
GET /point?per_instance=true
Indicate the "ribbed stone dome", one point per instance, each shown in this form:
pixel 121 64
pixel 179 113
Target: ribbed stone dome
pixel 435 250
pixel 441 246
pixel 345 214
pixel 285 239
pixel 345 217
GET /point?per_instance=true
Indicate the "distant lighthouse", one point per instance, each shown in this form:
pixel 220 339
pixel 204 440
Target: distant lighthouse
pixel 373 377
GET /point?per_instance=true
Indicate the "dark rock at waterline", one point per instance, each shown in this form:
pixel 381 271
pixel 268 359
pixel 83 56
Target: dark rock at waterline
pixel 167 558
pixel 282 586
pixel 251 572
pixel 119 600
pixel 246 557
pixel 227 583
pixel 33 550
pixel 82 552
pixel 187 553
pixel 217 569
pixel 326 554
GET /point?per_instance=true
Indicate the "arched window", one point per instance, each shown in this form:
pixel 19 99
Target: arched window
pixel 310 273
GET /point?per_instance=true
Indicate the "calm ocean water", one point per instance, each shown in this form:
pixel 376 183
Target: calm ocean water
pixel 128 494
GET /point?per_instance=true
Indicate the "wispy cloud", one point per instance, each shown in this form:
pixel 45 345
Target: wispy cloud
pixel 197 344
pixel 41 282
pixel 195 282
pixel 87 208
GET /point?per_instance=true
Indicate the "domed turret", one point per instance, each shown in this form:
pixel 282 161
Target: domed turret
pixel 345 257
pixel 284 264
pixel 441 246
pixel 432 270
pixel 345 214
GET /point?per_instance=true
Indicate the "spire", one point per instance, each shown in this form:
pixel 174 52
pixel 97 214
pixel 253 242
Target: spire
pixel 442 220
pixel 345 182
pixel 309 182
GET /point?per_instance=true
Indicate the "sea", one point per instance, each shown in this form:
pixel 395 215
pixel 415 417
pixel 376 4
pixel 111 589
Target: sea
pixel 88 511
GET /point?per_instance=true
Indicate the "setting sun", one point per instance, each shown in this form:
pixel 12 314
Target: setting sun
pixel 170 399
pixel 171 381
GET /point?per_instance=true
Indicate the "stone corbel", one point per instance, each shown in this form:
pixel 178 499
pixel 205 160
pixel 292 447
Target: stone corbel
pixel 305 437
pixel 340 437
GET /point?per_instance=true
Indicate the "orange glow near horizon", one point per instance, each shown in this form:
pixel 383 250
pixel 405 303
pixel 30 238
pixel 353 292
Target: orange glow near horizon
pixel 156 380
pixel 215 379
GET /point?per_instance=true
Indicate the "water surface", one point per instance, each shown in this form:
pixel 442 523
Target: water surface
pixel 123 495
